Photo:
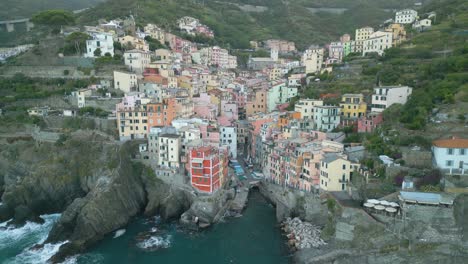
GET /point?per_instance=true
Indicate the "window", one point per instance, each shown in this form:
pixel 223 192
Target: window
pixel 462 151
pixel 450 151
pixel 344 166
pixel 449 163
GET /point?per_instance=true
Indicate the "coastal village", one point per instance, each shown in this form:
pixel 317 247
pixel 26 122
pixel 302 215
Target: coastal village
pixel 198 113
pixel 207 125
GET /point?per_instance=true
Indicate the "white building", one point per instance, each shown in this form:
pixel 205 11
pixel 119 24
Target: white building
pixel 451 154
pixel 137 60
pixel 406 16
pixel 188 24
pixel 378 42
pixel 422 24
pixel 306 107
pixel 279 93
pixel 217 56
pixel 103 41
pixel 125 81
pixel 81 95
pixel 312 60
pixel 164 147
pixel 326 117
pixel 229 138
pixel 336 51
pixel 385 96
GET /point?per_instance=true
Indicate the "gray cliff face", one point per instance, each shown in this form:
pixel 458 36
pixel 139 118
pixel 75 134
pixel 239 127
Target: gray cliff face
pixel 293 203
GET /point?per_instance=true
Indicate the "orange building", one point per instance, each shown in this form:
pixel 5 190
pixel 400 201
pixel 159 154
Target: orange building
pixel 257 104
pixel 161 114
pixel 286 117
pixel 205 169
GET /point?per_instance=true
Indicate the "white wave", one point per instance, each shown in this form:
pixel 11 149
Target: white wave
pixel 4 224
pixel 28 234
pixel 36 256
pixel 119 233
pixel 88 258
pixel 155 242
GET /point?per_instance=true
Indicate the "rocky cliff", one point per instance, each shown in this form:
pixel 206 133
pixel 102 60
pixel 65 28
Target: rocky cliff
pixel 90 179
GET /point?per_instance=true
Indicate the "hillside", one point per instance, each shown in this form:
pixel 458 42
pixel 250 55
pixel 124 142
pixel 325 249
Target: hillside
pixel 434 63
pixel 235 25
pixel 26 8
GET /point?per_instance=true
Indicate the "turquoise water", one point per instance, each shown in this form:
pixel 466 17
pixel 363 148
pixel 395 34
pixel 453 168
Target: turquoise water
pixel 252 238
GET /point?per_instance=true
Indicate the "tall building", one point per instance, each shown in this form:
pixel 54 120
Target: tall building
pixel 306 107
pixel 164 146
pixel 398 33
pixel 327 117
pixel 137 60
pixel 204 169
pixel 312 60
pixel 406 16
pixel 361 35
pixel 335 173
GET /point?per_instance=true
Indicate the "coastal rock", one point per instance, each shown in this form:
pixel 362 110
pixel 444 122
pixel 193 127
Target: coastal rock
pixel 170 202
pixel 90 179
pixel 302 235
pixel 109 206
pixel 206 209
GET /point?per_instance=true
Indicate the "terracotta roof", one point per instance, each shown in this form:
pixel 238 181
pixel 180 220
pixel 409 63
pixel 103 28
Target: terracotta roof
pixel 451 143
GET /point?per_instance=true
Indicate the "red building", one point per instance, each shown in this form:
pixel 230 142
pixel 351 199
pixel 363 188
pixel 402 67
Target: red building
pixel 205 169
pixel 367 124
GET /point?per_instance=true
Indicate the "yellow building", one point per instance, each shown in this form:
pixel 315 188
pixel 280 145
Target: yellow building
pixel 399 33
pixel 134 43
pixel 353 106
pixel 132 122
pixel 335 172
pixel 275 74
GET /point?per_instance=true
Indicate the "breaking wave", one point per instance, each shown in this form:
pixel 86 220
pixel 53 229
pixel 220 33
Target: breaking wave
pixel 16 243
pixel 155 242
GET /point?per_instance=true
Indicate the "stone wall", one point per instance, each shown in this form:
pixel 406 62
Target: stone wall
pixel 417 158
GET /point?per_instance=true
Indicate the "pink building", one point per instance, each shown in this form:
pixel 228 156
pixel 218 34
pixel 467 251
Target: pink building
pixel 229 109
pixel 368 123
pixel 210 134
pixel 203 108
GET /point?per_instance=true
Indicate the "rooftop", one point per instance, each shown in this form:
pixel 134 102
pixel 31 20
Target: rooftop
pixel 451 143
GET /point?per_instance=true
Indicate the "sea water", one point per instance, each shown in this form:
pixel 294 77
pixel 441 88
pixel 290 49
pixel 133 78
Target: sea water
pixel 253 238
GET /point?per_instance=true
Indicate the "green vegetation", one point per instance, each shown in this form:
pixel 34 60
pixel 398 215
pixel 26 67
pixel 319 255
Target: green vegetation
pixel 434 62
pixel 75 43
pixel 54 18
pixel 75 123
pixel 98 112
pixel 154 44
pixel 26 8
pixel 234 27
pixel 21 87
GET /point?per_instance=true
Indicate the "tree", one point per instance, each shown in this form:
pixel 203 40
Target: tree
pixel 97 52
pixel 76 41
pixel 54 18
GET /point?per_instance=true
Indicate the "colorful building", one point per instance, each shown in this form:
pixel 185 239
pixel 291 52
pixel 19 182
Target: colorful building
pixel 205 167
pixel 367 124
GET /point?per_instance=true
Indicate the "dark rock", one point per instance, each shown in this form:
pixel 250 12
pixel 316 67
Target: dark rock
pixel 22 214
pixel 6 213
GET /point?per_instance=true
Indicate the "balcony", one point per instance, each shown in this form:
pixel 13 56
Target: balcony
pixel 343 181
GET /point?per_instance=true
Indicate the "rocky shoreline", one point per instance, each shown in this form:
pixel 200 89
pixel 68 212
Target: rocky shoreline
pixel 301 235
